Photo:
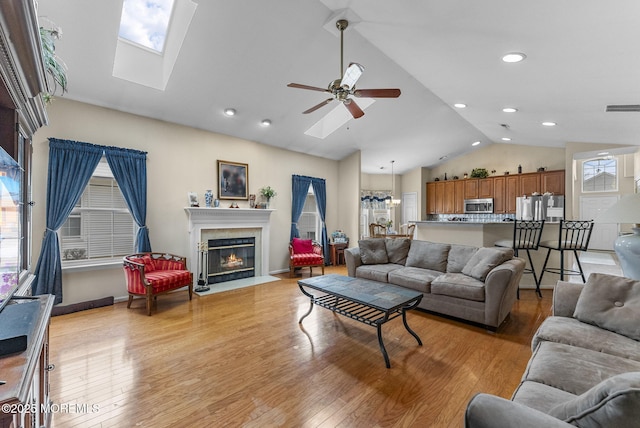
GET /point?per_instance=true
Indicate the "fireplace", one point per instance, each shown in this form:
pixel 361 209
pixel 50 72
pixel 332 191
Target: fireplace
pixel 230 259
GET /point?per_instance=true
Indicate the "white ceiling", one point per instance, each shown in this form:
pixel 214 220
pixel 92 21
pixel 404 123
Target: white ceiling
pixel 581 56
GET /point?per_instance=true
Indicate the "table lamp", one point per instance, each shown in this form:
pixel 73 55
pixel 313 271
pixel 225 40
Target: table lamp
pixel 627 247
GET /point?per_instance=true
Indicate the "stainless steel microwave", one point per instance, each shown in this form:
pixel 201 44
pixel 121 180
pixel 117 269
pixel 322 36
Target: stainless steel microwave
pixel 478 206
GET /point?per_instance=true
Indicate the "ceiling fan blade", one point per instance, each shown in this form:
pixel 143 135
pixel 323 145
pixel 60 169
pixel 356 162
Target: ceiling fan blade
pixel 377 93
pixel 311 88
pixel 317 106
pixel 353 108
pixel 351 75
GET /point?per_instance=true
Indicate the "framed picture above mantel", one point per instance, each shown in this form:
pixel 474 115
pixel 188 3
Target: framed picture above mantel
pixel 233 180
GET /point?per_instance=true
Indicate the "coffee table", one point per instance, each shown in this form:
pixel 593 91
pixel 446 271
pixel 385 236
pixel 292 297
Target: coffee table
pixel 370 302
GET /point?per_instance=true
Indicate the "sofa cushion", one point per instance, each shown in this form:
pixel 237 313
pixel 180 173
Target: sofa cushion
pixel 376 272
pixel 428 255
pixel 485 259
pixel 164 280
pixel 571 331
pixel 458 285
pixel 458 257
pixel 373 251
pixel 614 402
pixel 611 302
pixel 540 396
pixel 301 246
pixel 412 277
pixel 397 250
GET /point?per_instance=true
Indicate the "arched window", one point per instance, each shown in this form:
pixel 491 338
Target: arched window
pixel 600 175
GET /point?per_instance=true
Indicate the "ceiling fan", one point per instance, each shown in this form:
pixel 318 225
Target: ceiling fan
pixel 341 89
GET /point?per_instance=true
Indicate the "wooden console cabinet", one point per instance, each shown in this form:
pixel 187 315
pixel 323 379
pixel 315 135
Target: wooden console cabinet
pixel 446 197
pixel 24 397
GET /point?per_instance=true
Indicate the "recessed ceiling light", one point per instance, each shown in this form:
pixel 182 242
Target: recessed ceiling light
pixel 230 111
pixel 265 122
pixel 476 143
pixel 509 110
pixel 506 139
pixel 549 124
pixel 460 105
pixel 514 57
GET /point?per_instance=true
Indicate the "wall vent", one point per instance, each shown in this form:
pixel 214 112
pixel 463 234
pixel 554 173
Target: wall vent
pixel 623 107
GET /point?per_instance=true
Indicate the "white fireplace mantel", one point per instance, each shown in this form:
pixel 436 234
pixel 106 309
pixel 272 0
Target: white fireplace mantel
pixel 203 219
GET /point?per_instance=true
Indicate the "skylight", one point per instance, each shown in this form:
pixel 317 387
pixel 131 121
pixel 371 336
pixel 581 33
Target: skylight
pixel 146 22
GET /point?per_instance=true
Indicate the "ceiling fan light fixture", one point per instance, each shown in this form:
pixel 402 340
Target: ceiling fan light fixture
pixel 351 75
pixel 513 57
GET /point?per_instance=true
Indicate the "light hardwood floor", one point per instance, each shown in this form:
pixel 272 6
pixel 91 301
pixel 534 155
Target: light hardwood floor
pixel 240 359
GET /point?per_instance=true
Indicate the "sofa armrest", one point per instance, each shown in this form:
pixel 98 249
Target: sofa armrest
pixel 501 289
pixel 353 260
pixel 565 298
pixel 490 411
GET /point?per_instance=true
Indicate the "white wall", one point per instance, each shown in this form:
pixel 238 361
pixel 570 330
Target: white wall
pixel 182 159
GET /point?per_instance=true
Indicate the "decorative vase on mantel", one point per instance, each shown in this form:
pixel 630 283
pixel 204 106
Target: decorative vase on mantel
pixel 208 198
pixel 268 202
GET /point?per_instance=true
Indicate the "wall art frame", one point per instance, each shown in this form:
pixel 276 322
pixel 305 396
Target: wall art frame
pixel 233 180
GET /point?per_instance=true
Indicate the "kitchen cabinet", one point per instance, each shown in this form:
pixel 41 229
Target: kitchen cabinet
pixel 485 187
pixel 511 192
pixel 529 184
pixel 552 182
pixel 449 196
pixel 471 188
pixel 440 197
pixel 499 198
pixel 459 197
pixel 431 198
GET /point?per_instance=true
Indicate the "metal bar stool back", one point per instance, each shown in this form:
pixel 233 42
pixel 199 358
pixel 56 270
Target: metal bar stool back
pixel 574 235
pixel 526 236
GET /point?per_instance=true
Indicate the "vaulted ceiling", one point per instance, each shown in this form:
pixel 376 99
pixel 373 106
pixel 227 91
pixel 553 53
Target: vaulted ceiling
pixel 582 55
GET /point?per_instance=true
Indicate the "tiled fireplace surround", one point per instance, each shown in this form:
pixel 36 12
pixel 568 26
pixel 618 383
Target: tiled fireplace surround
pixel 214 223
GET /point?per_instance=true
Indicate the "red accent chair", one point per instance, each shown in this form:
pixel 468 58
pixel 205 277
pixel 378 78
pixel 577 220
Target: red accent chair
pixel 305 253
pixel 150 274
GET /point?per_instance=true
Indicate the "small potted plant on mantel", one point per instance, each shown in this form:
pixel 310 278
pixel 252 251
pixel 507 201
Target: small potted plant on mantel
pixel 267 192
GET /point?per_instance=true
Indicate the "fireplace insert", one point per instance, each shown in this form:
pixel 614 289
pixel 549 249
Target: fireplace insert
pixel 231 259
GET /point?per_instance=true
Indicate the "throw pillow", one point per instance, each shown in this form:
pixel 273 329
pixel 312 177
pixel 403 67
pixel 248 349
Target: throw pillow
pixel 397 250
pixel 428 255
pixel 373 251
pixel 302 246
pixel 149 264
pixel 611 302
pixel 611 403
pixel 459 255
pixel 484 260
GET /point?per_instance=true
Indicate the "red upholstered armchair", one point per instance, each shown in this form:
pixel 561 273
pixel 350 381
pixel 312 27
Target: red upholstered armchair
pixel 150 274
pixel 305 253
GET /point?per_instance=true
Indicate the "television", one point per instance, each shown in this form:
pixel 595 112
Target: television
pixel 10 234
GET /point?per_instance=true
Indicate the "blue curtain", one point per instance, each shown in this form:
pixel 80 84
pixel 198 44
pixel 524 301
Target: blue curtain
pixel 320 190
pixel 71 164
pixel 129 168
pixel 300 188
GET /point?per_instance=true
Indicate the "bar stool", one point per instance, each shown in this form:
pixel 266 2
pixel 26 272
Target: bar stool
pixel 526 236
pixel 573 236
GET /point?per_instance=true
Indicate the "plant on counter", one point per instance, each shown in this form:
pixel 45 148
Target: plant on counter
pixel 479 173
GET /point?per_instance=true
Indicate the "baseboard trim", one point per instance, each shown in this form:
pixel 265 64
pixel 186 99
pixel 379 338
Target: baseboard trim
pixel 82 306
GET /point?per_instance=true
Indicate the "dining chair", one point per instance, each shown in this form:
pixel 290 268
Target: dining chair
pixel 526 236
pixel 377 230
pixel 573 236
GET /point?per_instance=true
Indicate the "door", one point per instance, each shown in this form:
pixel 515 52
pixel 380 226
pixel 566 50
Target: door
pixel 603 235
pixel 409 207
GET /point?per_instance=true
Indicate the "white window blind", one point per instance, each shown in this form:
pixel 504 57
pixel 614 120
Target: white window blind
pixel 107 229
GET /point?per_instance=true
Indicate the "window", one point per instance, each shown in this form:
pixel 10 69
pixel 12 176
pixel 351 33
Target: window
pixel 600 175
pixel 309 224
pixel 100 227
pixel 146 22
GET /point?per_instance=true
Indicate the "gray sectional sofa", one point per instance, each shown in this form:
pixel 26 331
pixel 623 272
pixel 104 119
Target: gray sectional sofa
pixel 585 367
pixel 470 283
